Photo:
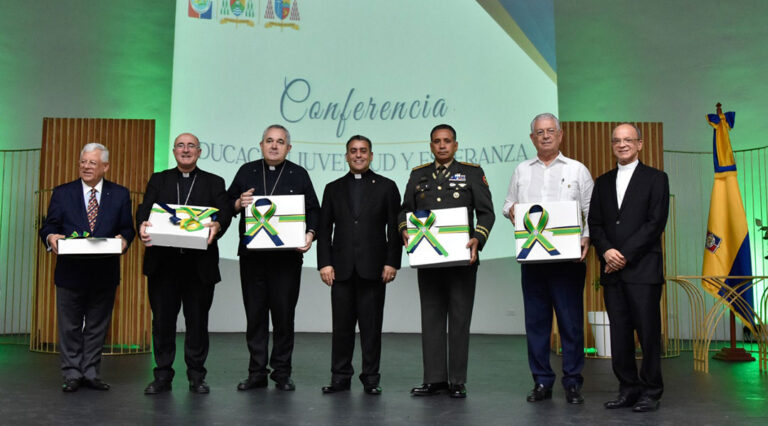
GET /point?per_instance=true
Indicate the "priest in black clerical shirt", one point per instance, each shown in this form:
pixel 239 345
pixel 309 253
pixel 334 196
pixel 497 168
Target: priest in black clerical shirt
pixel 182 276
pixel 358 253
pixel 270 279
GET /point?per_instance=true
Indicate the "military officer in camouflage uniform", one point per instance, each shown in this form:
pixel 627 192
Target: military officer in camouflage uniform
pixel 447 293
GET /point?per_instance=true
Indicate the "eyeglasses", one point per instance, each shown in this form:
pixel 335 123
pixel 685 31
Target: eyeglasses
pixel 625 140
pixel 542 132
pixel 86 163
pixel 181 146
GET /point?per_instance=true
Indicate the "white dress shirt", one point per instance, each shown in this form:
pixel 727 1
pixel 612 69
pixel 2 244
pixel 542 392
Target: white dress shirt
pixel 87 192
pixel 563 179
pixel 623 176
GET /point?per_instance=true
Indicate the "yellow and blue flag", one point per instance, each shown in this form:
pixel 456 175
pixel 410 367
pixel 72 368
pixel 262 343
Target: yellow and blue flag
pixel 727 250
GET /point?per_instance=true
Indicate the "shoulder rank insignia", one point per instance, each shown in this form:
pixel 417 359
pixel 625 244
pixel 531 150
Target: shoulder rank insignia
pixel 422 166
pixel 469 164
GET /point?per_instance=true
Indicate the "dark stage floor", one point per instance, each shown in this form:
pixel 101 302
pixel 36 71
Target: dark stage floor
pixel 498 382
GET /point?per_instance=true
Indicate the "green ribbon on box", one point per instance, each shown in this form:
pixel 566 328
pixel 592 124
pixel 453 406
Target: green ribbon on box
pixel 191 223
pixel 261 221
pixel 534 233
pixel 422 231
pixel 74 234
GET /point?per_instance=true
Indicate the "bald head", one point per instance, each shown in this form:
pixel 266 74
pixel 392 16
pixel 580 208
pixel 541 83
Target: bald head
pixel 627 142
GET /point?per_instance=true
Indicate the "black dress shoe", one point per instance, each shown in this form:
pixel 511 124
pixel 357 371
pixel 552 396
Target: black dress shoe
pixel 96 384
pixel 337 387
pixel 252 382
pixel 573 395
pixel 199 386
pixel 646 404
pixel 285 384
pixel 372 389
pixel 621 401
pixel 70 385
pixel 539 393
pixel 428 389
pixel 157 386
pixel 458 391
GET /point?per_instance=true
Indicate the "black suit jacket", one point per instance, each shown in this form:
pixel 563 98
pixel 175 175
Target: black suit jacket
pixel 635 229
pixel 67 214
pixel 362 242
pixel 208 191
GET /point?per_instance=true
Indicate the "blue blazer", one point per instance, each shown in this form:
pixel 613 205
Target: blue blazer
pixel 67 214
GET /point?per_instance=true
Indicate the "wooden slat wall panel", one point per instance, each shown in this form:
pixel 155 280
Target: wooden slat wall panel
pixel 131 158
pixel 590 143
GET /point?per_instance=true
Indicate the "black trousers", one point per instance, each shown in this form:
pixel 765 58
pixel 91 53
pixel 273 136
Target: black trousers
pixel 177 285
pixel 635 307
pixel 357 301
pixel 83 317
pixel 557 287
pixel 447 296
pixel 270 282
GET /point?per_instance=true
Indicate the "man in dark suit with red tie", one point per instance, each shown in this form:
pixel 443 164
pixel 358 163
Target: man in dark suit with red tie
pixel 358 253
pixel 85 287
pixel 627 216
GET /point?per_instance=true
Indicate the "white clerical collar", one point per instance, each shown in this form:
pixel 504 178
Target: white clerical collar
pixel 628 167
pixel 272 168
pixel 87 188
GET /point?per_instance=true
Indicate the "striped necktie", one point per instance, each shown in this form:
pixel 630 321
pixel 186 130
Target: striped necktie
pixel 93 209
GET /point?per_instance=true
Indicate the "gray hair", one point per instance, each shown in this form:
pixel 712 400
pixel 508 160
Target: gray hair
pixel 637 129
pixel 95 146
pixel 545 116
pixel 277 126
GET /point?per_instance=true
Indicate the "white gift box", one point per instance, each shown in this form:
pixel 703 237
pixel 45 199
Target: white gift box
pixel 278 224
pixel 186 231
pixel 549 231
pixel 442 236
pixel 85 246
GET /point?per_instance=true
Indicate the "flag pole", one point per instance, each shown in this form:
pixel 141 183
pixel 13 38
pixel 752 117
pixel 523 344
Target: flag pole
pixel 733 354
pixel 727 232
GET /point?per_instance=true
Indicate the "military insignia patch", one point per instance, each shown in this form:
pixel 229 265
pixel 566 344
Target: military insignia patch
pixel 485 181
pixel 713 242
pixel 458 177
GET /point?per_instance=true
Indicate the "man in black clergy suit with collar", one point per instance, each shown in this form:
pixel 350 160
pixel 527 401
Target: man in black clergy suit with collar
pixel 270 279
pixel 358 253
pixel 85 287
pixel 182 277
pixel 627 216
